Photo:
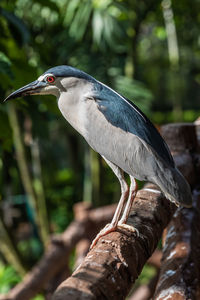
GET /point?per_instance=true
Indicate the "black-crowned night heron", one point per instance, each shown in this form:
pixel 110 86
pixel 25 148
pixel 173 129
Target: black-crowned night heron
pixel 115 128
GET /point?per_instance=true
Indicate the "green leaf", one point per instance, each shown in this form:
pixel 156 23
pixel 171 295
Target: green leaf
pixel 71 10
pixel 5 68
pixel 49 4
pixel 80 21
pixel 17 27
pixel 8 278
pixel 39 297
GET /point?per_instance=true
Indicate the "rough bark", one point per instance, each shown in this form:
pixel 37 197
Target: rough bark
pixel 180 270
pixel 113 265
pixel 150 210
pixel 180 275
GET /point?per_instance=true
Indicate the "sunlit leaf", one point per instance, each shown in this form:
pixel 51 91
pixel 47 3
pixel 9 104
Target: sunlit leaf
pixel 49 4
pixel 80 21
pixel 8 278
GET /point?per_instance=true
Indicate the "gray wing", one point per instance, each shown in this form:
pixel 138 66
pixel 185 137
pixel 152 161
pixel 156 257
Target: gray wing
pixel 122 113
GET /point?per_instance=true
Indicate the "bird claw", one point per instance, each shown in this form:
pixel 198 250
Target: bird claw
pixel 125 228
pixel 107 229
pixel 128 228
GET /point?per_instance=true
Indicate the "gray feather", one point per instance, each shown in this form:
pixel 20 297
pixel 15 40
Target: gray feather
pixel 123 135
pixel 122 113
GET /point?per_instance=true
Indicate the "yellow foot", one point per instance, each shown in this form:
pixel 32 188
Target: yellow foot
pixel 107 229
pixel 127 229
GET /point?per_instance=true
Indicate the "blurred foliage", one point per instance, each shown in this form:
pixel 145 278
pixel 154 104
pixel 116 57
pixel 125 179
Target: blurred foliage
pixel 147 273
pixel 125 44
pixel 8 278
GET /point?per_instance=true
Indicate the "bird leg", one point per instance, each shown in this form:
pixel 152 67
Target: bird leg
pixel 122 222
pixel 124 193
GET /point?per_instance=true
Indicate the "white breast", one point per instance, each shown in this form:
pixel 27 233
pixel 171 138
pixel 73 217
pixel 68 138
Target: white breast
pixel 72 105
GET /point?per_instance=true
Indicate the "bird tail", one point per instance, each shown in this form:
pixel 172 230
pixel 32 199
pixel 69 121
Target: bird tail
pixel 175 187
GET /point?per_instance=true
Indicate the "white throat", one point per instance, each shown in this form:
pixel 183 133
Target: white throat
pixel 73 104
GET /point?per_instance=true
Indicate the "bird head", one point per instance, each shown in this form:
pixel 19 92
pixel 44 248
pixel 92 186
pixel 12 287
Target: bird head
pixel 53 82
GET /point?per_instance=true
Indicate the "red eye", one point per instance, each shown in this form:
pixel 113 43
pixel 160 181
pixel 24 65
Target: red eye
pixel 50 79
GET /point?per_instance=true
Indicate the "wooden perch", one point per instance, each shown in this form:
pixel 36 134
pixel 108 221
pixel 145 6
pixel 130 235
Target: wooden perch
pixel 182 141
pixel 180 270
pixel 179 276
pixel 151 214
pixel 113 265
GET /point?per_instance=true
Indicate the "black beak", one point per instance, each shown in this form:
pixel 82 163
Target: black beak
pixel 32 88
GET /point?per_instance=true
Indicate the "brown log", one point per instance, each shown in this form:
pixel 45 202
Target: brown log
pixel 182 141
pixel 55 281
pixel 180 137
pixel 180 275
pixel 180 269
pixel 113 265
pixel 58 251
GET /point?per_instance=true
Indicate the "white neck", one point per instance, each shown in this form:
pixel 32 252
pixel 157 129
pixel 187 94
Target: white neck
pixel 72 105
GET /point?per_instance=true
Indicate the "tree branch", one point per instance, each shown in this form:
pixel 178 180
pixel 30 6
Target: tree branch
pixel 180 275
pixel 113 265
pixel 55 257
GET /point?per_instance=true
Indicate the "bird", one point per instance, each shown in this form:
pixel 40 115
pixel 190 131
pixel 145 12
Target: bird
pixel 119 131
